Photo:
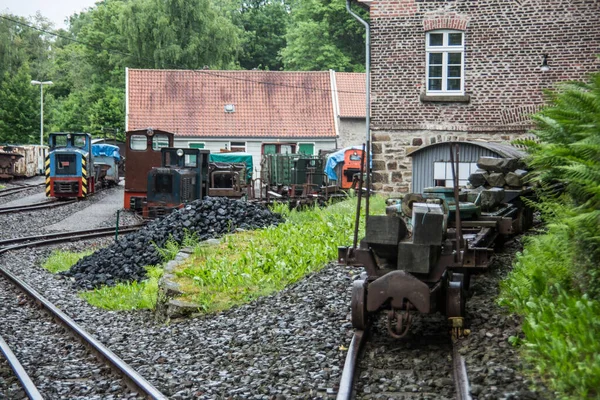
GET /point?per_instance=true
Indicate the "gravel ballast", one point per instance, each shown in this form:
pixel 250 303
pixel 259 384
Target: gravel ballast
pixel 58 365
pixel 282 346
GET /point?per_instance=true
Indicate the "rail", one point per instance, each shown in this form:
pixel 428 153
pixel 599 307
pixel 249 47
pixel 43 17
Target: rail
pixel 134 380
pixel 26 382
pixel 345 390
pixel 35 206
pixel 53 238
pixel 17 189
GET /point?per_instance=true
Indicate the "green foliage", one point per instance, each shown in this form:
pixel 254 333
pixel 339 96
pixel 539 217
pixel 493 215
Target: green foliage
pixel 127 296
pixel 555 283
pixel 324 36
pixel 264 24
pixel 20 108
pixel 63 260
pixel 251 264
pixel 569 152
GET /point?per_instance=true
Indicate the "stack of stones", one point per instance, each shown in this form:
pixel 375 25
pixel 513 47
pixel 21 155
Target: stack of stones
pixel 494 177
pixel 124 260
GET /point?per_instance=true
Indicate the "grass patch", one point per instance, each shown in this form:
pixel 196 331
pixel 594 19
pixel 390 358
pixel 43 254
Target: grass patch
pixel 63 260
pixel 127 296
pixel 250 264
pixel 561 325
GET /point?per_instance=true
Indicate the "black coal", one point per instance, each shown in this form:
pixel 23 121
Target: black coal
pixel 124 260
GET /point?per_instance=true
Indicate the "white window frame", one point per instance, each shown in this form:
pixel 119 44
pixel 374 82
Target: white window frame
pixel 245 146
pixel 445 49
pixel 313 145
pixel 442 171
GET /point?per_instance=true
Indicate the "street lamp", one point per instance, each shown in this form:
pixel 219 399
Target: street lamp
pixel 41 107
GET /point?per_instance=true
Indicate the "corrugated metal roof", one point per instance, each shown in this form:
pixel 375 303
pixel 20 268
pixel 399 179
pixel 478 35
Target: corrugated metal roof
pixel 503 150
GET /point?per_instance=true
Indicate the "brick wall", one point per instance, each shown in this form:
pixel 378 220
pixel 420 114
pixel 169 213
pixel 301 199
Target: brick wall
pixel 504 44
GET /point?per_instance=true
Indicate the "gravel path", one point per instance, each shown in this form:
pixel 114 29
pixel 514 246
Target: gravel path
pixel 38 222
pixel 58 365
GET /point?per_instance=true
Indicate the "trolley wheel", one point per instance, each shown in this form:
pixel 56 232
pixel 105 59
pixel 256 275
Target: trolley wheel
pixel 359 305
pixel 455 297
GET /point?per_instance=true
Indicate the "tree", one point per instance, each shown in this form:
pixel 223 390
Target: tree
pixel 264 23
pixel 19 108
pixel 324 36
pixel 178 34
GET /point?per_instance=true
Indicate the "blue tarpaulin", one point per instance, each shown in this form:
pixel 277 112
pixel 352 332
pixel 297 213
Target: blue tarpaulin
pixel 334 159
pixel 106 150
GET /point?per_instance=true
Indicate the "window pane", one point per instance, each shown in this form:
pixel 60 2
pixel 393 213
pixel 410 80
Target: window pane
pixel 455 58
pixel 453 84
pixel 435 84
pixel 454 72
pixel 436 39
pixel 160 141
pixel 455 39
pixel 196 145
pixel 138 142
pixel 435 72
pixel 435 58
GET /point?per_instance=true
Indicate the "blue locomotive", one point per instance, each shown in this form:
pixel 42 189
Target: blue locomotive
pixel 75 168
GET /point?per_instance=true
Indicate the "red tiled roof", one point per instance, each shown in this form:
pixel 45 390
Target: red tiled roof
pixel 267 103
pixel 351 94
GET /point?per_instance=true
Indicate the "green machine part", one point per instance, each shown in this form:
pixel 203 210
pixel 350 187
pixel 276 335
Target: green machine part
pixel 468 210
pixel 305 165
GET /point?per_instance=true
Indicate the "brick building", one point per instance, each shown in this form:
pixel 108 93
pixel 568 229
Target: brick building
pixel 468 70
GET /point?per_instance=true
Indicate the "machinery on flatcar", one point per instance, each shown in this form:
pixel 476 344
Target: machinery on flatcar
pixel 74 168
pixel 419 256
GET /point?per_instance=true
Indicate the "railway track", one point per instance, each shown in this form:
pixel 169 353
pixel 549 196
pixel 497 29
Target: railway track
pixel 60 237
pixel 378 366
pixel 135 382
pixel 18 189
pixel 36 206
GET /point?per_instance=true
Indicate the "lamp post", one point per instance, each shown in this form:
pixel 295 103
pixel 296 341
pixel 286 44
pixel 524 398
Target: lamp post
pixel 41 107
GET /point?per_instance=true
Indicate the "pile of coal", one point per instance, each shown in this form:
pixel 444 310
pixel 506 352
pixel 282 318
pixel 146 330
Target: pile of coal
pixel 124 260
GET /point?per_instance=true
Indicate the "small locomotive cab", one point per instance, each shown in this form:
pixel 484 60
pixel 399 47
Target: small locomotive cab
pixel 69 166
pixel 181 178
pixel 350 168
pixel 142 152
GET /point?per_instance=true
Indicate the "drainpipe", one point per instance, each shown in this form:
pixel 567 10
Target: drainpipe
pixel 368 105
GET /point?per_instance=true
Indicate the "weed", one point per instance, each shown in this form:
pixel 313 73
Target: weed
pixel 63 260
pixel 127 296
pixel 250 264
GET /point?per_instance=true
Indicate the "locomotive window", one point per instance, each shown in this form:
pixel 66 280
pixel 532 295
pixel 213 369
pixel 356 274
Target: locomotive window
pixel 138 142
pixel 79 141
pixel 160 141
pixel 60 141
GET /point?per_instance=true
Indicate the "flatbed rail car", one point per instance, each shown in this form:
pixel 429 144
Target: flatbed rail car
pixel 420 256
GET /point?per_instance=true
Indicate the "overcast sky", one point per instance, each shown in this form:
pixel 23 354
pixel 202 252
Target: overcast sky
pixel 55 10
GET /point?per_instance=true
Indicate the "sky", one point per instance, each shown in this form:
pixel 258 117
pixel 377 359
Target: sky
pixel 55 10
